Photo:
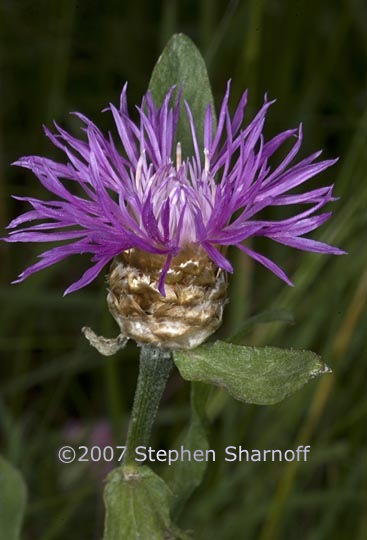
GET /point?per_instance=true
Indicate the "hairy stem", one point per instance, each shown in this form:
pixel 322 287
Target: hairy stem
pixel 154 369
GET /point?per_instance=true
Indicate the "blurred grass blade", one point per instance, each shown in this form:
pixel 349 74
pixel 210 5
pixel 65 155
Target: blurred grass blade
pixel 268 316
pixel 13 496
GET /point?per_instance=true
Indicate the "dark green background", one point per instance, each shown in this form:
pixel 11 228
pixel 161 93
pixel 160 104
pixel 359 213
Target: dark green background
pixel 60 56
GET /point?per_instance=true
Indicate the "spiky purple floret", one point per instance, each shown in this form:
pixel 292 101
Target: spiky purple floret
pixel 143 198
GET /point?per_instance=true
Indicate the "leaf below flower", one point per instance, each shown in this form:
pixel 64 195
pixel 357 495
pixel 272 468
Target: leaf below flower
pixel 259 375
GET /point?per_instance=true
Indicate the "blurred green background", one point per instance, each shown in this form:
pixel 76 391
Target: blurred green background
pixel 65 55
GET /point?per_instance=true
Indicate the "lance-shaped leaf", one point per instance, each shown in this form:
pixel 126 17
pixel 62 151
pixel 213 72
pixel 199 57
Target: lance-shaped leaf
pixel 259 375
pixel 13 495
pixel 137 505
pixel 181 64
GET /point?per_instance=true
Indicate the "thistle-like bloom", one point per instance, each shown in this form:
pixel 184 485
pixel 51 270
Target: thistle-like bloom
pixel 142 193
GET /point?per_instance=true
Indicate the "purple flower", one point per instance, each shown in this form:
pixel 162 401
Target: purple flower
pixel 143 193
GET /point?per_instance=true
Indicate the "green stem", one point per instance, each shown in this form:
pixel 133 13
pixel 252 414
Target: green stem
pixel 154 369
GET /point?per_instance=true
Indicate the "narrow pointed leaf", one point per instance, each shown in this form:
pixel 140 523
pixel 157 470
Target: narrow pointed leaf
pixel 183 477
pixel 259 375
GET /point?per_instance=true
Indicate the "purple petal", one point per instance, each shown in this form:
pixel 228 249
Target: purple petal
pixel 270 265
pixel 88 276
pixel 217 257
pixel 163 275
pixel 306 244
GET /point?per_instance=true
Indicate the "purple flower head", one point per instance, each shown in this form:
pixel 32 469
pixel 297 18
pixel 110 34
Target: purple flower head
pixel 151 197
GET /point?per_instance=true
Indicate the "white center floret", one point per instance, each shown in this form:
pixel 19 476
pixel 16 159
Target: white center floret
pixel 178 156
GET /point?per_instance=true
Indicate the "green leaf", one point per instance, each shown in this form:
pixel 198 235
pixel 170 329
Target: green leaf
pixel 268 316
pixel 181 63
pixel 137 505
pixel 13 495
pixel 183 477
pixel 260 375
